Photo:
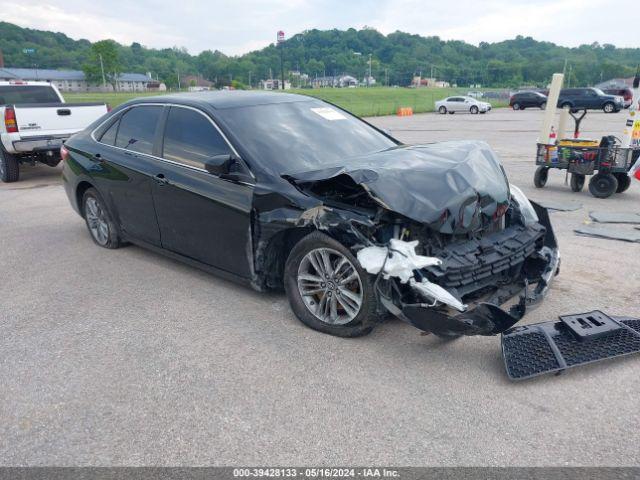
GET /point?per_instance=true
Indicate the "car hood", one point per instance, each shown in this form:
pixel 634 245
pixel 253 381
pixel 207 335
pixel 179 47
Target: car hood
pixel 453 187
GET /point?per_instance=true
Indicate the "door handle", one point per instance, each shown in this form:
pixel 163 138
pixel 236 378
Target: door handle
pixel 161 179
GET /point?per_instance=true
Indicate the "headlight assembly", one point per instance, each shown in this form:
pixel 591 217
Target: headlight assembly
pixel 529 215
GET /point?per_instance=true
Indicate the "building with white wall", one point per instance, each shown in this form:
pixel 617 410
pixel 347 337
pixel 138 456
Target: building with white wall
pixel 74 80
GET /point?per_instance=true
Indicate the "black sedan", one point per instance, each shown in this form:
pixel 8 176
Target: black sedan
pixel 277 190
pixel 522 100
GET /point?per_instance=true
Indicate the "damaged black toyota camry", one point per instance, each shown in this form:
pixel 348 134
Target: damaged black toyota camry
pixel 278 190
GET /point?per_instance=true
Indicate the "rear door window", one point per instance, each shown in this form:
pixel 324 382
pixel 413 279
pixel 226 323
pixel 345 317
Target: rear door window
pixel 190 138
pixel 109 136
pixel 138 129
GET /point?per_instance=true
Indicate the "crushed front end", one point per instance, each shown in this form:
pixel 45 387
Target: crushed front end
pixel 448 239
pixel 477 273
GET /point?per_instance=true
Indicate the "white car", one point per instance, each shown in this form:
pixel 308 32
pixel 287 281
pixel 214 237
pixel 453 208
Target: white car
pixel 462 104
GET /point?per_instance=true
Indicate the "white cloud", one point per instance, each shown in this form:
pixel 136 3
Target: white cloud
pixel 243 25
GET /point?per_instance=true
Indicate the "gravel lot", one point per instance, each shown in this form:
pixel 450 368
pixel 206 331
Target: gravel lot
pixel 127 358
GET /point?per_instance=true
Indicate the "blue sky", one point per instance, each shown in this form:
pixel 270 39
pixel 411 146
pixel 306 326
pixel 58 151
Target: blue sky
pixel 239 26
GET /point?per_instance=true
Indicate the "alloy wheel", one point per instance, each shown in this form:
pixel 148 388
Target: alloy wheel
pixel 330 286
pixel 96 219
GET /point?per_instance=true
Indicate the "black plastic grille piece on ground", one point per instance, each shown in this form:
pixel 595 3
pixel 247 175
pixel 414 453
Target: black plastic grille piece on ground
pixel 548 347
pixel 590 325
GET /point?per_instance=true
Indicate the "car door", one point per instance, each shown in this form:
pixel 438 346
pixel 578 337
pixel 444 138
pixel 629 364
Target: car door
pixel 201 216
pixel 124 167
pixel 453 104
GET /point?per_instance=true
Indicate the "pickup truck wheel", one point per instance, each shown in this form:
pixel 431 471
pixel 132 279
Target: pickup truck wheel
pixel 103 230
pixel 608 107
pixel 328 289
pixel 9 167
pixel 52 161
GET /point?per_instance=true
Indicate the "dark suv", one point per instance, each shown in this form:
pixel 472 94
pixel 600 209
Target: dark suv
pixel 522 100
pixel 589 99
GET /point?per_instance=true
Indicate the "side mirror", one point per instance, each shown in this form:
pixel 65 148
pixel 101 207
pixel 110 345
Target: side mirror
pixel 219 164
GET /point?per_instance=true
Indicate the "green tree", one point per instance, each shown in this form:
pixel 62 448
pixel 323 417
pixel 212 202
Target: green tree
pixel 103 57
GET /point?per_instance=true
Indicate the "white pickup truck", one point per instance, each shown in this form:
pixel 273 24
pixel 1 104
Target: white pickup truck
pixel 34 123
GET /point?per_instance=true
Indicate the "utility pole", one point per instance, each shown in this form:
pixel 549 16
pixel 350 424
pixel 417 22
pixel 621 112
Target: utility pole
pixel 281 45
pixel 104 79
pixel 249 79
pixel 178 72
pixel 369 77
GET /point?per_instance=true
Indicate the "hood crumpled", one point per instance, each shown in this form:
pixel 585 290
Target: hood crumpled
pixel 454 187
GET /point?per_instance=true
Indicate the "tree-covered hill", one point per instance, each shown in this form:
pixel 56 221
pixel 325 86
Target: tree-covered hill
pixel 396 57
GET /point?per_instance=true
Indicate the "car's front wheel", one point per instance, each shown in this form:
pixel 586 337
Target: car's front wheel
pixel 516 106
pixel 327 288
pixel 474 109
pixel 543 106
pixel 608 107
pixel 101 226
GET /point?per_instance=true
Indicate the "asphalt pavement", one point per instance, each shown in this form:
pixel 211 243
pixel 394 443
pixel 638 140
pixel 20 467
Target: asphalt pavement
pixel 126 357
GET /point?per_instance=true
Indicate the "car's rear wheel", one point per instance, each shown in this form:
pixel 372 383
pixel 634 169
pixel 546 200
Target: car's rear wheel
pixel 442 110
pixel 577 182
pixel 474 109
pixel 327 288
pixel 624 182
pixel 9 167
pixel 541 176
pixel 451 112
pixel 603 185
pixel 608 107
pixel 102 228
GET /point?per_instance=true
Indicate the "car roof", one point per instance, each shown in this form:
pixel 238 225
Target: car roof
pixel 223 99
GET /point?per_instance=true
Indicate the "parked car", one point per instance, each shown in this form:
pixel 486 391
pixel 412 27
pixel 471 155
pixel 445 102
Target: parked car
pixel 36 123
pixel 273 189
pixel 462 104
pixel 625 92
pixel 522 100
pixel 590 99
pixel 475 94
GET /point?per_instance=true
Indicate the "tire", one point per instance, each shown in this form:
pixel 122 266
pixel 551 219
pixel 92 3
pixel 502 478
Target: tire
pixel 541 176
pixel 341 321
pixel 624 182
pixel 609 107
pixel 103 230
pixel 577 182
pixel 442 110
pixel 603 185
pixel 451 112
pixel 567 105
pixel 543 106
pixel 9 167
pixel 516 106
pixel 482 113
pixel 474 110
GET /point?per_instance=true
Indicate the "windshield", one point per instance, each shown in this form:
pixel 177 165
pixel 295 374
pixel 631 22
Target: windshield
pixel 12 94
pixel 302 136
pixel 599 92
